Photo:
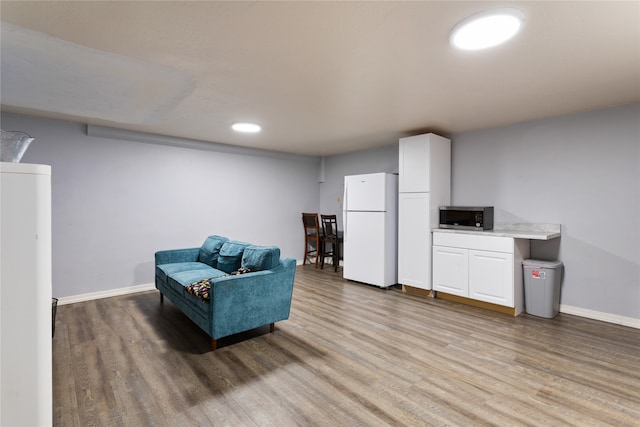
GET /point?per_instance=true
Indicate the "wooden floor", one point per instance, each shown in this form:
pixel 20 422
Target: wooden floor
pixel 350 354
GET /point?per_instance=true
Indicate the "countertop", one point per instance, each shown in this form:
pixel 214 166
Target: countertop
pixel 515 230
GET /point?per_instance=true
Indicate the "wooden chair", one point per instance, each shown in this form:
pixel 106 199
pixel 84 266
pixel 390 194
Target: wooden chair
pixel 312 237
pixel 330 236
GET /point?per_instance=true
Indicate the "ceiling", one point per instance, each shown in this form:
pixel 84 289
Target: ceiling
pixel 322 78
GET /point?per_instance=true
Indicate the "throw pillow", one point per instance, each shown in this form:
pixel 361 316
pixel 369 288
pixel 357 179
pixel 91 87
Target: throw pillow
pixel 230 256
pixel 210 249
pixel 258 258
pixel 201 289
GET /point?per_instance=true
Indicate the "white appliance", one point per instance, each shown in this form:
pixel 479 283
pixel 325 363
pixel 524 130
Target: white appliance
pixel 370 208
pixel 26 378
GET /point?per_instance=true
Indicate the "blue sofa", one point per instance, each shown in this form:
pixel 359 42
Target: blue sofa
pixel 236 302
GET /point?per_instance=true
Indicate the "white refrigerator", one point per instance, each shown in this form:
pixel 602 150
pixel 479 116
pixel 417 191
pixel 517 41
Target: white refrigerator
pixel 370 222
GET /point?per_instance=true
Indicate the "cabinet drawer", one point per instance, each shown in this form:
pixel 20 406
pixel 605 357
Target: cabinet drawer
pixel 474 241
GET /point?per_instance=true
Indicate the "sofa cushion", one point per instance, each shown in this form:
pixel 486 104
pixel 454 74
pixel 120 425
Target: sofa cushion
pixel 230 257
pixel 164 270
pixel 258 258
pixel 210 250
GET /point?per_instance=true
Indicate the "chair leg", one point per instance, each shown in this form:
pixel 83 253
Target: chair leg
pixel 214 344
pixel 306 250
pixel 307 241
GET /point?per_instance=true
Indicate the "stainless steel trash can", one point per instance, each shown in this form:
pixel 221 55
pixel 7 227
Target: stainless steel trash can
pixel 542 287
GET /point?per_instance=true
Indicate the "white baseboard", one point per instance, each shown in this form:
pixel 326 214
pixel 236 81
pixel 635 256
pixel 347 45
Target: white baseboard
pixel 106 294
pixel 599 315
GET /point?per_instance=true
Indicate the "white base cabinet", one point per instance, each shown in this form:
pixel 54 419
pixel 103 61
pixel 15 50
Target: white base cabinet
pixel 482 268
pixel 491 277
pixel 451 270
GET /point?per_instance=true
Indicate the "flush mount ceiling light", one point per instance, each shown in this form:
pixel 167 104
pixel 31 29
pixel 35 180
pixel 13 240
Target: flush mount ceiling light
pixel 246 127
pixel 487 29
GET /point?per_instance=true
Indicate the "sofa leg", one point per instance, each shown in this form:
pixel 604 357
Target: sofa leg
pixel 161 297
pixel 272 327
pixel 214 344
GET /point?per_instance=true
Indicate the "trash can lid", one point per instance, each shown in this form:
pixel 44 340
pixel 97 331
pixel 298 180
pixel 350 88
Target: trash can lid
pixel 540 263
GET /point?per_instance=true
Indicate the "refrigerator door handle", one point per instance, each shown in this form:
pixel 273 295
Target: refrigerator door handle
pixel 344 227
pixel 345 199
pixel 345 209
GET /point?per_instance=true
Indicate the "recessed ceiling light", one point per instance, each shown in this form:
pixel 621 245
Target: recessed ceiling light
pixel 487 29
pixel 246 127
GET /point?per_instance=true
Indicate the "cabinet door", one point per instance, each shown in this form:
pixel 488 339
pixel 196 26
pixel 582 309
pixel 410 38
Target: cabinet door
pixel 491 277
pixel 451 270
pixel 414 164
pixel 414 240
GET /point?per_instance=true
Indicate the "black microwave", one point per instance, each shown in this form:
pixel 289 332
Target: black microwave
pixel 466 217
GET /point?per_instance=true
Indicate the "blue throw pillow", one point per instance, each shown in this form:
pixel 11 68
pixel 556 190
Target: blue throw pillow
pixel 210 248
pixel 230 256
pixel 258 258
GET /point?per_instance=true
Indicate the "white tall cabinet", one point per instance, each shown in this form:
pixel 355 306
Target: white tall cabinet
pixel 25 295
pixel 424 186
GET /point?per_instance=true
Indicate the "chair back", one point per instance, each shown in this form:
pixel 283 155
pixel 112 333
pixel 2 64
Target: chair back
pixel 311 223
pixel 329 226
pixel 312 237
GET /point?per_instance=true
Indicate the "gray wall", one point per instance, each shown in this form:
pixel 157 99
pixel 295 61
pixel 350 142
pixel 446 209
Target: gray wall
pixel 384 159
pixel 582 171
pixel 117 202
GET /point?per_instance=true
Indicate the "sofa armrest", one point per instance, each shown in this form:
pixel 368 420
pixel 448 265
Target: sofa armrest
pixel 177 255
pixel 247 301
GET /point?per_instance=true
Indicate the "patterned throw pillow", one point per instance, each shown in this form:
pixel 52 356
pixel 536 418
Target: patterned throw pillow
pixel 202 288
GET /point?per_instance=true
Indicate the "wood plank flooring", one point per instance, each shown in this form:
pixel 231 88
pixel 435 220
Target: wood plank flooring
pixel 349 355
